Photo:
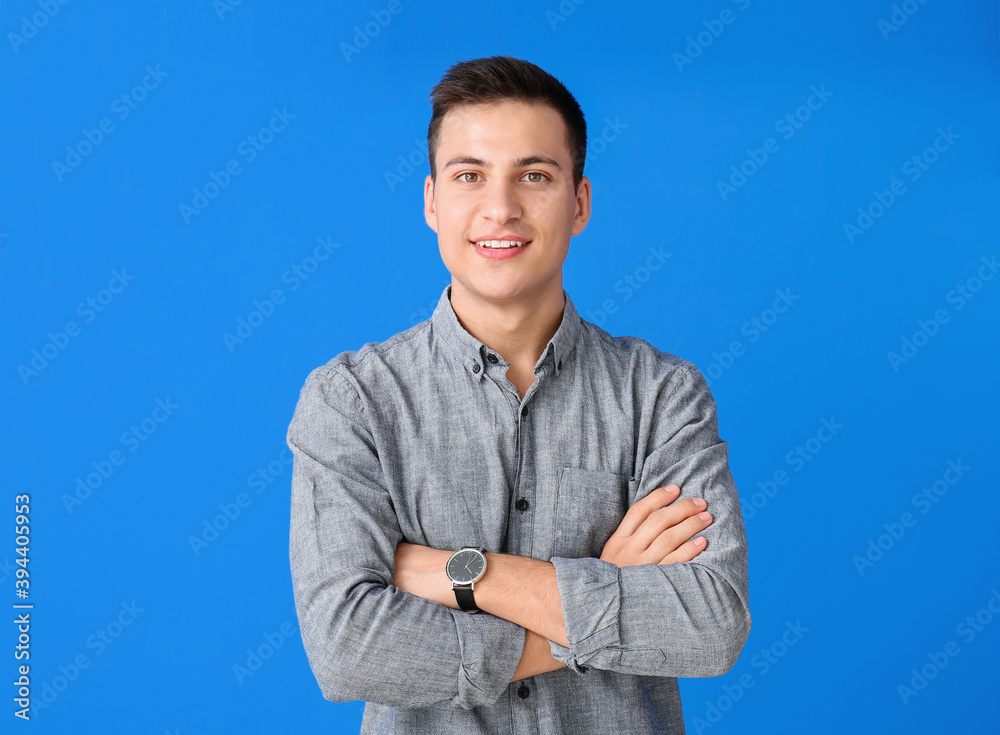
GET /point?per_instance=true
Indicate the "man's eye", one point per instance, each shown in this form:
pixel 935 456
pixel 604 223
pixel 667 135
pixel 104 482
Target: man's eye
pixel 468 173
pixel 539 174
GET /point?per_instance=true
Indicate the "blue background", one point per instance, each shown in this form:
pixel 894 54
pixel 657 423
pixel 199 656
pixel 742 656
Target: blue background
pixel 868 606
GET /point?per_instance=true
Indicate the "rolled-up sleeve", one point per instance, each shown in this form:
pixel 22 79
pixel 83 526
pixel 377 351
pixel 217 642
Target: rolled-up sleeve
pixel 364 638
pixel 683 620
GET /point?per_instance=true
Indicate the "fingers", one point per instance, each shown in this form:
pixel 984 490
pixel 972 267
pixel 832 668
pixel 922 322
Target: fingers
pixel 671 540
pixel 661 520
pixel 640 510
pixel 658 530
pixel 687 551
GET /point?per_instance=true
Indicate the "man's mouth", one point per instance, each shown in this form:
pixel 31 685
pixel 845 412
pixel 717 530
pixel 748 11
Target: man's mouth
pixel 501 244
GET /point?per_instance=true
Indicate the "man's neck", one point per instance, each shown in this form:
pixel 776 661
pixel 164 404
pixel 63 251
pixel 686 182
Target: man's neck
pixel 518 331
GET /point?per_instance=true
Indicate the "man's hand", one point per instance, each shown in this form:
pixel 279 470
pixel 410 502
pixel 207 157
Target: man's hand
pixel 656 530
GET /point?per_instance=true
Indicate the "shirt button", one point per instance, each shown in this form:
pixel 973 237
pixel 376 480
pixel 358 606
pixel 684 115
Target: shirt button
pixel 492 358
pixel 522 504
pixel 524 413
pixel 475 368
pixel 523 692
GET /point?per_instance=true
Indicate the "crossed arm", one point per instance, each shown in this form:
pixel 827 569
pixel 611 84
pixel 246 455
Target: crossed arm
pixel 656 530
pixel 653 604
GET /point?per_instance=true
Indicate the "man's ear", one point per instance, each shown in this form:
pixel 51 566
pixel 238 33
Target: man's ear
pixel 582 206
pixel 430 206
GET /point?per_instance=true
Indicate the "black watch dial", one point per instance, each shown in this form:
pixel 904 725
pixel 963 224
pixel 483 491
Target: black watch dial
pixel 466 566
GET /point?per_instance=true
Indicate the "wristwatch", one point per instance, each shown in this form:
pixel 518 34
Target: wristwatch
pixel 466 567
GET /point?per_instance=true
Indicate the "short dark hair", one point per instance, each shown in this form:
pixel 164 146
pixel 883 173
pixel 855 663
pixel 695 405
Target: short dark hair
pixel 499 78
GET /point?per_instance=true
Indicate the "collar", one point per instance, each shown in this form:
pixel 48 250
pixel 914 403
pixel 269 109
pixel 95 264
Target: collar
pixel 473 353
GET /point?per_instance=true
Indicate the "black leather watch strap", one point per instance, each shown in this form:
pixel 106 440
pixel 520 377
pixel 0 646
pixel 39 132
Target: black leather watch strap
pixel 466 600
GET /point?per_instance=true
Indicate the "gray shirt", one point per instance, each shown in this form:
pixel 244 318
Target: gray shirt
pixel 422 438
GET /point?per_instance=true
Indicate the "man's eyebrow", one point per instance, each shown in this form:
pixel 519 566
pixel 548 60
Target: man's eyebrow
pixel 519 163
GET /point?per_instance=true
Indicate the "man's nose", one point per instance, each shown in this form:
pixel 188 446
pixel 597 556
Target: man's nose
pixel 500 203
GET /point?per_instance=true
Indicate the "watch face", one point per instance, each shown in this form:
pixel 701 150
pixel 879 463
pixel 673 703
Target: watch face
pixel 466 566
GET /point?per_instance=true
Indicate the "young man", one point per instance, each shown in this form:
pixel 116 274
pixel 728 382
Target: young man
pixel 499 515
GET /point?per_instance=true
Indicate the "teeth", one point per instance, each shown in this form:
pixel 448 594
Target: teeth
pixel 499 243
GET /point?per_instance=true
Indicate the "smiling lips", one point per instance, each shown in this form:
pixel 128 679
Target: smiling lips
pixel 501 248
pixel 501 243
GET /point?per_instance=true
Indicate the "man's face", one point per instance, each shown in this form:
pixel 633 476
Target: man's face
pixel 504 172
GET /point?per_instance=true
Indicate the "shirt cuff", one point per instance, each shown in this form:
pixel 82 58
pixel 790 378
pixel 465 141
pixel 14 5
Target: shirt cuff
pixel 491 651
pixel 591 602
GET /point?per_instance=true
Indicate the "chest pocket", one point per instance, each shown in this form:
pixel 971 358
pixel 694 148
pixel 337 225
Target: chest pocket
pixel 589 507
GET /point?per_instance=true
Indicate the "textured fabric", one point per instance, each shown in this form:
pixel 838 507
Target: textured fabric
pixel 422 438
